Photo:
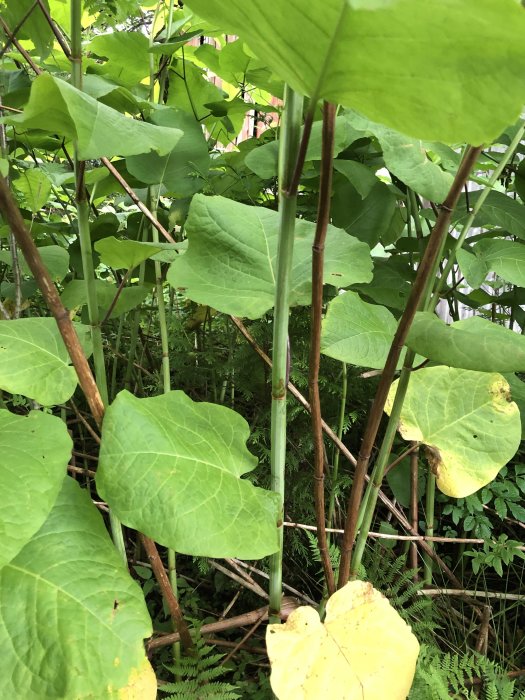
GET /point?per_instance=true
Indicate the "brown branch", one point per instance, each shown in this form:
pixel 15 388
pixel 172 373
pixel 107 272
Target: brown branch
pixel 250 618
pixel 13 40
pixel 323 218
pixel 424 272
pixel 12 215
pixel 167 592
pixel 133 196
pixel 303 148
pixel 54 29
pixel 17 29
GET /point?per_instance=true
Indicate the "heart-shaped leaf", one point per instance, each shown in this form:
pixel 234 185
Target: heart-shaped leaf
pixel 354 655
pixel 468 421
pixel 230 263
pixel 377 57
pixel 34 452
pixel 171 468
pixel 72 620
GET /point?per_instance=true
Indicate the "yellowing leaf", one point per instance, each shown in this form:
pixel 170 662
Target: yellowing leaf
pixel 363 651
pixel 142 684
pixel 467 420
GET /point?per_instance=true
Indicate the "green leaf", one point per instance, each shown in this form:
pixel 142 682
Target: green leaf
pixel 58 108
pixel 74 621
pixel 362 178
pixel 127 54
pixel 183 170
pixel 34 452
pixel 505 258
pixel 358 333
pixel 34 360
pixel 376 58
pixel 498 210
pixel 517 392
pixel 171 468
pixel 54 257
pixel 74 296
pixel 124 254
pixel 231 258
pixel 368 219
pixel 398 479
pixel 390 285
pixel 468 422
pixel 473 343
pixel 473 268
pixel 407 159
pixel 263 159
pixel 35 186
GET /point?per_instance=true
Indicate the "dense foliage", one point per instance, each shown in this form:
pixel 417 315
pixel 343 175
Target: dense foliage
pixel 173 173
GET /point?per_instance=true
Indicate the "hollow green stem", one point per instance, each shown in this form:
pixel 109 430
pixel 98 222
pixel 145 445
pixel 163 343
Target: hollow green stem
pixel 86 250
pixel 288 151
pixel 429 527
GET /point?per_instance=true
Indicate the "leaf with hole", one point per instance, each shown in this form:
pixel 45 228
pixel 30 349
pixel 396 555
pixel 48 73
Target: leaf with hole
pixel 170 468
pixel 468 422
pixel 354 654
pixel 230 263
pixel 72 619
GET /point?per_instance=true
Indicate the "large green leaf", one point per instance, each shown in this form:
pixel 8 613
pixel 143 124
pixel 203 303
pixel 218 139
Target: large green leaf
pixel 407 159
pixel 35 186
pixel 357 332
pixel 505 258
pixel 231 258
pixel 72 621
pixel 183 170
pixel 473 343
pixel 34 360
pixel 54 257
pixel 377 57
pixel 468 421
pixel 58 108
pixel 34 452
pixel 171 468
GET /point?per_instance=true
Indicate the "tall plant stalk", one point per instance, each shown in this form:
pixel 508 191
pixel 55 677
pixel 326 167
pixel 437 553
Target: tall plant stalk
pixel 425 275
pixel 323 217
pixel 288 156
pixel 84 235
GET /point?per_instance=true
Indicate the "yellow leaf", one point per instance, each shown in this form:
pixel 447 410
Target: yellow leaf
pixel 363 651
pixel 142 684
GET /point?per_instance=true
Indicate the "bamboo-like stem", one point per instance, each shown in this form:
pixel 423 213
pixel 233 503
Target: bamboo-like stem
pixel 391 507
pixel 323 218
pixel 337 453
pixel 288 152
pixel 86 249
pixel 429 524
pixel 414 478
pixel 421 282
